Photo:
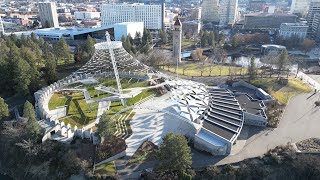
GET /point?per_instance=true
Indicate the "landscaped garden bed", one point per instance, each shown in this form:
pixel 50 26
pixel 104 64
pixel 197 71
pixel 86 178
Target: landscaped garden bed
pixel 309 145
pixel 146 152
pixel 110 147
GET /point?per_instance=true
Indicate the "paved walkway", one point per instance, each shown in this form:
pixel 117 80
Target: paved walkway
pixel 300 121
pixel 152 125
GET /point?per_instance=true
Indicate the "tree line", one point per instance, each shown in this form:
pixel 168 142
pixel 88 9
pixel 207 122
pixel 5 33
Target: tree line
pixel 138 43
pixel 26 63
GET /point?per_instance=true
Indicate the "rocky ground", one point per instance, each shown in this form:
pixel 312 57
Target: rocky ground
pixel 309 145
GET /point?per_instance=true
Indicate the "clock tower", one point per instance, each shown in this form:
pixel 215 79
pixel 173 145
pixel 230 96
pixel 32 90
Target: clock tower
pixel 177 38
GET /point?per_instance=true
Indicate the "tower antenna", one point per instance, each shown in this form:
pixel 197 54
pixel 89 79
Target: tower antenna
pixel 114 64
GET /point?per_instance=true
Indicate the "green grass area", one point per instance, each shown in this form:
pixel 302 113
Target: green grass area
pixel 79 113
pixel 282 92
pixel 107 169
pixel 186 43
pixel 194 69
pixel 125 83
pixel 57 100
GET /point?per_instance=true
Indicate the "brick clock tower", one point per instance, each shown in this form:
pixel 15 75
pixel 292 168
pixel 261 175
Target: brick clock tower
pixel 177 38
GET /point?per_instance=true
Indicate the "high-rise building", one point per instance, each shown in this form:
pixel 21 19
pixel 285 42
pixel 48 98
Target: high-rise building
pixel 177 38
pixel 151 15
pixel 228 11
pixel 210 11
pixel 314 8
pixel 1 26
pixel 48 14
pixel 316 27
pixel 300 6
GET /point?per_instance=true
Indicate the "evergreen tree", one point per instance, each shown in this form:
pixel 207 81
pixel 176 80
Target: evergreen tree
pixel 33 128
pixel 50 67
pixel 62 51
pixel 89 46
pixel 174 154
pixel 211 40
pixel 137 39
pixel 77 54
pixel 106 126
pixel 252 69
pixel 163 36
pixel 18 72
pixel 130 39
pixel 204 39
pixel 31 58
pixel 4 111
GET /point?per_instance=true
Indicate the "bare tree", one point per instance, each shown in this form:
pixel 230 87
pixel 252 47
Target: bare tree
pixel 307 45
pixel 201 68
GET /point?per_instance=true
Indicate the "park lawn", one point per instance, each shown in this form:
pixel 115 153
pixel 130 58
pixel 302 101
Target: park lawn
pixel 186 43
pixel 193 69
pixel 79 113
pixel 125 83
pixel 282 93
pixel 107 169
pixel 57 100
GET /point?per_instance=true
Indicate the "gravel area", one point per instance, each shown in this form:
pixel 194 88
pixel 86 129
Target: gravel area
pixel 309 145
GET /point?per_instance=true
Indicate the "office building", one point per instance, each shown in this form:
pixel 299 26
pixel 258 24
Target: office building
pixel 126 28
pixel 257 5
pixel 296 30
pixel 300 6
pixel 210 11
pixel 81 15
pixel 151 15
pixel 48 14
pixel 314 8
pixel 316 27
pixel 267 21
pixel 228 12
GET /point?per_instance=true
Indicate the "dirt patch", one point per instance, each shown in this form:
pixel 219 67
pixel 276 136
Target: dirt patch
pixel 309 145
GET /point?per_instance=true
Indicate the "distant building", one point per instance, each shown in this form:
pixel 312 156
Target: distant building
pixel 126 28
pixel 228 12
pixel 151 15
pixel 266 48
pixel 314 8
pixel 316 27
pixel 299 6
pixel 48 14
pixel 81 15
pixel 257 5
pixel 267 21
pixel 192 27
pixel 210 11
pixel 289 30
pixel 177 38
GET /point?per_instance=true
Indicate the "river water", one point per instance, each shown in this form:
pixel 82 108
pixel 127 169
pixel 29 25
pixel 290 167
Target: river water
pixel 245 62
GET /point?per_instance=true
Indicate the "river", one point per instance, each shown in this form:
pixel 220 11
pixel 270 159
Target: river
pixel 245 61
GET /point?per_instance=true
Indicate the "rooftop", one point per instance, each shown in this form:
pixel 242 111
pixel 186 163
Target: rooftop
pixel 224 116
pixel 250 106
pixel 270 15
